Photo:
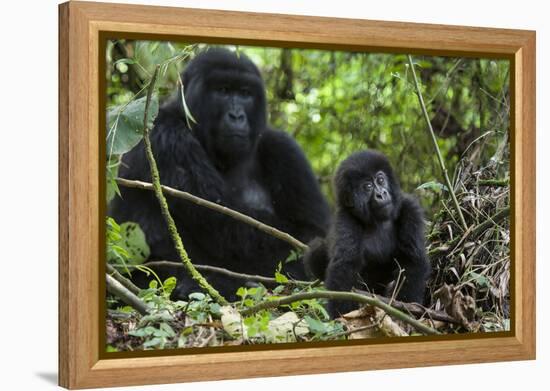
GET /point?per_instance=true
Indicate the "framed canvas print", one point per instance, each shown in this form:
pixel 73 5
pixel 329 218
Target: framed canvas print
pixel 247 195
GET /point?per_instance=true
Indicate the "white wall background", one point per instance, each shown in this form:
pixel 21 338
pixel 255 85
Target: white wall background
pixel 28 193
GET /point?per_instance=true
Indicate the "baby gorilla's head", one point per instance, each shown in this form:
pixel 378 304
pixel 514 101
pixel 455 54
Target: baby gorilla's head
pixel 366 186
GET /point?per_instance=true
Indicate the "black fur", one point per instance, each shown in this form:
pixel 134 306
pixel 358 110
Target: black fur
pixel 231 157
pixel 377 230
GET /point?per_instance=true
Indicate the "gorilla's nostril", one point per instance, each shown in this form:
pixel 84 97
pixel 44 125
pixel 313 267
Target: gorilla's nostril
pixel 236 116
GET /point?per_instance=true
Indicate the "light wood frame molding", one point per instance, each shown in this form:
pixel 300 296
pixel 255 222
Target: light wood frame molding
pixel 81 364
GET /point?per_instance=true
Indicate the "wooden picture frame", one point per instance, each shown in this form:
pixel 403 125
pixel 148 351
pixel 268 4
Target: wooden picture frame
pixel 81 25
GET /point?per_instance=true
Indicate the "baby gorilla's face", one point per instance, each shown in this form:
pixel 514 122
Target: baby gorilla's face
pixel 366 187
pixel 378 193
pixel 371 197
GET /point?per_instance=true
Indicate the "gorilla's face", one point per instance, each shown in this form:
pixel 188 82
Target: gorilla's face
pixel 365 185
pixel 376 192
pixel 225 93
pixel 232 128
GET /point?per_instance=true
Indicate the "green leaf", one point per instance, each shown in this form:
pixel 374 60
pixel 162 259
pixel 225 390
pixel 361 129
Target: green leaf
pixel 480 280
pixel 241 292
pixel 315 325
pixel 132 243
pixel 125 124
pixel 280 278
pixel 169 285
pixel 198 296
pixel 435 186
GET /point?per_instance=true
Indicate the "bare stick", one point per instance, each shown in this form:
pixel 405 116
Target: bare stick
pixel 335 295
pixel 413 308
pixel 123 280
pixel 219 208
pixel 437 150
pixel 116 288
pixel 155 179
pixel 229 273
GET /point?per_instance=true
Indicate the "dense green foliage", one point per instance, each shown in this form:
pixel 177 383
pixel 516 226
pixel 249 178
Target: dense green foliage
pixel 335 103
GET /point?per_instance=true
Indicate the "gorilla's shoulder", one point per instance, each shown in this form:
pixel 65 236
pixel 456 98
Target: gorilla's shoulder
pixel 273 140
pixel 411 204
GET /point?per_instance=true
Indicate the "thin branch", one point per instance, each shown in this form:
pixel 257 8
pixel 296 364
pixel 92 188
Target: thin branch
pixel 116 288
pixel 155 179
pixel 437 150
pixel 229 273
pixel 494 182
pixel 334 295
pixel 219 208
pixel 123 280
pixel 413 308
pixel 475 231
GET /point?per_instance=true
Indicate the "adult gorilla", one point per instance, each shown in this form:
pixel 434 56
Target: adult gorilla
pixel 232 157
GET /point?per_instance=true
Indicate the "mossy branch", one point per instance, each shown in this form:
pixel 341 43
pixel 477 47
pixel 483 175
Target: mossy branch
pixel 436 146
pixel 218 208
pixel 350 296
pixel 173 231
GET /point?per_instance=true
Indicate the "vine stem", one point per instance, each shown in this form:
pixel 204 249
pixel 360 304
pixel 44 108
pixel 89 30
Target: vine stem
pixel 436 146
pixel 336 295
pixel 157 187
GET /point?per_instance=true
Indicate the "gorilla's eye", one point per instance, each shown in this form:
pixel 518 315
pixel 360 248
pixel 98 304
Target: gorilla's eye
pixel 245 92
pixel 380 180
pixel 368 185
pixel 222 89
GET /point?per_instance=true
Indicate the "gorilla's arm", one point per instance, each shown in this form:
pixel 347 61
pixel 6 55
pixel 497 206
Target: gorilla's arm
pixel 316 259
pixel 295 193
pixel 346 261
pixel 183 165
pixel 411 251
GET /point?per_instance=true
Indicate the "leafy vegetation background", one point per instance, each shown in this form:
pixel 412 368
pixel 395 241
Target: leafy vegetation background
pixel 334 103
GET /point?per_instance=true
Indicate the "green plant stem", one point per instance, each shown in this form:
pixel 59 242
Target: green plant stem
pixel 436 146
pixel 335 295
pixel 174 234
pixel 218 208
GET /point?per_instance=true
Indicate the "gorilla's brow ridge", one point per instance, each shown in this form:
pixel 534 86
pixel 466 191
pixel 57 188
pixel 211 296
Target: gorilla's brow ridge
pixel 234 76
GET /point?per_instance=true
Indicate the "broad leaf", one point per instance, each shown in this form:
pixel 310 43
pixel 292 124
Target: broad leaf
pixel 125 125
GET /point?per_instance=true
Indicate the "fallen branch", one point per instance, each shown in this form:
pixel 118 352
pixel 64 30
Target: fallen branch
pixel 123 280
pixel 434 140
pixel 350 296
pixel 229 273
pixel 219 208
pixel 116 288
pixel 157 188
pixel 413 308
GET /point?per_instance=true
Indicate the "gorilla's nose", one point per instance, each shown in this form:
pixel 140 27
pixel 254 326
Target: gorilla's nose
pixel 380 196
pixel 236 116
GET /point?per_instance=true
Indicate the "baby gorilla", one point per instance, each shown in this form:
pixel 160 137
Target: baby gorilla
pixel 377 231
